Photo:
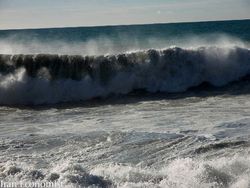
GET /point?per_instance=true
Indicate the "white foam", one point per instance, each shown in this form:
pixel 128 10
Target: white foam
pixel 182 173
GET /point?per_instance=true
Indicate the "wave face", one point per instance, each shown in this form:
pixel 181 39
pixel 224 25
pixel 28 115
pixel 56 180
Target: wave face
pixel 46 78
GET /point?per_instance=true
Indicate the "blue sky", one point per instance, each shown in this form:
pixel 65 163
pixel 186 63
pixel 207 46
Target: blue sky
pixel 62 13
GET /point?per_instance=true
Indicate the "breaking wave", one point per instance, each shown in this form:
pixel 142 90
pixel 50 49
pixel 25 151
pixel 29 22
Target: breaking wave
pixel 48 79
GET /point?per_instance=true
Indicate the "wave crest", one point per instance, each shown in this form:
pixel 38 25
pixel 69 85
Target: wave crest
pixel 46 78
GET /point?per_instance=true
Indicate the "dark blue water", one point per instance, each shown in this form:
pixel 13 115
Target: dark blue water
pixel 238 29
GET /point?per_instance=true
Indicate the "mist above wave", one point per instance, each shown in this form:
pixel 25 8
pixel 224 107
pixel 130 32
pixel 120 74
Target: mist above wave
pixel 105 45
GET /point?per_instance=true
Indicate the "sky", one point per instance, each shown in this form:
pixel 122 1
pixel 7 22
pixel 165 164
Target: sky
pixel 15 14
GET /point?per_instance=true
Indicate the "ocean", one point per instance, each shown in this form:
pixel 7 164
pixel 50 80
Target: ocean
pixel 159 105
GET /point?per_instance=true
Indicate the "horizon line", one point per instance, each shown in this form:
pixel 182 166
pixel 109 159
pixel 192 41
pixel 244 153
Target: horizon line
pixel 115 25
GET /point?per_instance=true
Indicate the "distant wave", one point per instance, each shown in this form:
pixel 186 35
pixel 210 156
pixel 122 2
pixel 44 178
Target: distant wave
pixel 47 78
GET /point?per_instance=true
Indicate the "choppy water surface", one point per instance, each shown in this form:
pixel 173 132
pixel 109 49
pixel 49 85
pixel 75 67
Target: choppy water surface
pixel 195 141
